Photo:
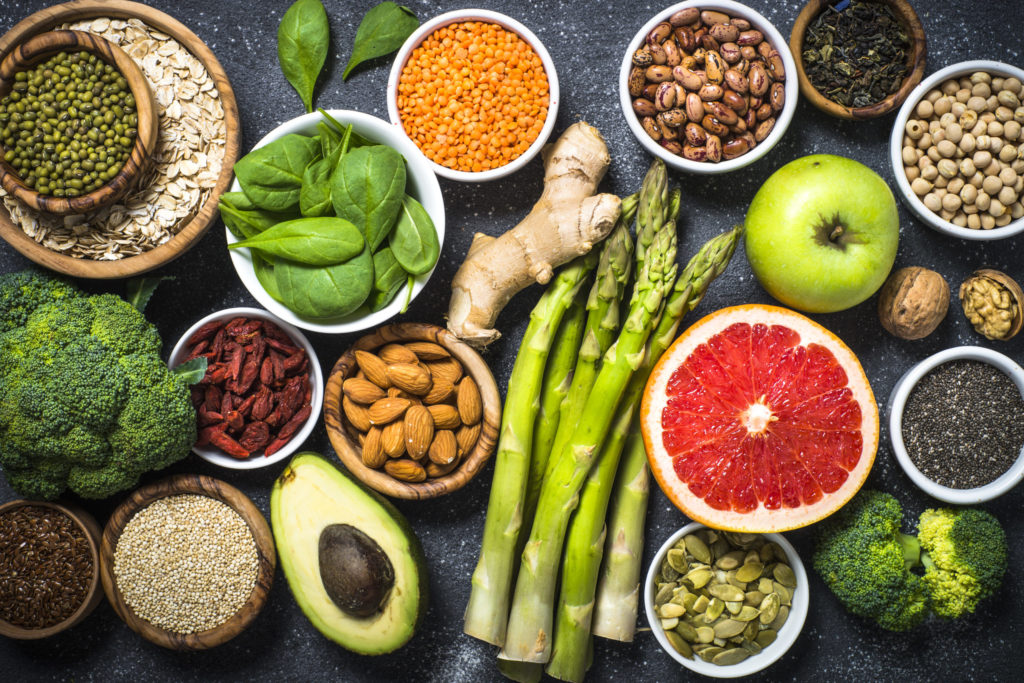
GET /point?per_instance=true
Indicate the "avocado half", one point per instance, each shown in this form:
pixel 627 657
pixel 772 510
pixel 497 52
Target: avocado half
pixel 312 495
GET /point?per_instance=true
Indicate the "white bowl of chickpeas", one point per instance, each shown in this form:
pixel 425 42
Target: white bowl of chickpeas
pixel 957 150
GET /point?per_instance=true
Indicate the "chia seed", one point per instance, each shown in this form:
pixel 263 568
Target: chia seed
pixel 962 425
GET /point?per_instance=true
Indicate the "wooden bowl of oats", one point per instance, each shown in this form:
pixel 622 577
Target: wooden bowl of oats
pixel 175 200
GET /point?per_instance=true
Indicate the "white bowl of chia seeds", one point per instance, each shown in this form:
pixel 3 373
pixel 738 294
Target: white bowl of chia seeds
pixel 946 429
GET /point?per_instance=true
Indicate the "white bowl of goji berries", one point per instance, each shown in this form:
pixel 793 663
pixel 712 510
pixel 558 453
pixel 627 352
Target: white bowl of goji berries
pixel 262 392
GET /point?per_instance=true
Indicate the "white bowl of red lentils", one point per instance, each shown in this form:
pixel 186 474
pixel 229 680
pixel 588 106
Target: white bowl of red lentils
pixel 476 92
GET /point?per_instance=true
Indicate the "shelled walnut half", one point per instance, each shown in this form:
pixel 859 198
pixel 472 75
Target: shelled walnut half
pixel 913 302
pixel 992 301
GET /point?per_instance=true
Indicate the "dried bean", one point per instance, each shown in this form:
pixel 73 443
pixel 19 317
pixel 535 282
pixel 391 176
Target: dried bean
pixel 648 123
pixel 714 148
pixel 711 92
pixel 713 126
pixel 695 135
pixel 734 148
pixel 684 17
pixel 644 107
pixel 637 80
pixel 687 78
pixel 749 38
pixel 764 129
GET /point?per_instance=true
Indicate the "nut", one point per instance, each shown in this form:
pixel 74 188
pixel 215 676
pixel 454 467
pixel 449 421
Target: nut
pixel 388 410
pixel 469 403
pixel 440 392
pixel 444 448
pixel 445 416
pixel 913 302
pixel 449 369
pixel 373 368
pixel 392 439
pixel 356 414
pixel 428 350
pixel 373 451
pixel 405 470
pixel 467 437
pixel 362 391
pixel 410 377
pixel 419 431
pixel 396 353
pixel 992 302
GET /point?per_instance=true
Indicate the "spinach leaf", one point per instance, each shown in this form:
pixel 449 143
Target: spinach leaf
pixel 311 241
pixel 245 224
pixel 237 200
pixel 324 293
pixel 302 41
pixel 408 295
pixel 271 176
pixel 330 139
pixel 367 188
pixel 264 269
pixel 315 195
pixel 414 239
pixel 383 30
pixel 389 276
pixel 139 290
pixel 355 139
pixel 191 371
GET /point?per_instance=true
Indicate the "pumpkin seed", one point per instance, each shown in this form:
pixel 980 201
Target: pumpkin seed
pixel 765 585
pixel 689 600
pixel 753 598
pixel 766 637
pixel 705 634
pixel 669 624
pixel 732 656
pixel 720 547
pixel 677 560
pixel 699 577
pixel 714 610
pixel 734 606
pixel 751 646
pixel 726 592
pixel 733 581
pixel 701 604
pixel 720 642
pixel 729 628
pixel 730 560
pixel 765 554
pixel 784 575
pixel 664 593
pixel 749 571
pixel 747 613
pixel 668 573
pixel 769 608
pixel 708 654
pixel 687 631
pixel 777 623
pixel 679 645
pixel 752 629
pixel 670 610
pixel 740 539
pixel 783 592
pixel 698 548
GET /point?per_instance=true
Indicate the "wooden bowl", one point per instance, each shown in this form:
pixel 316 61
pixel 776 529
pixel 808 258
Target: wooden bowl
pixel 905 14
pixel 205 486
pixel 192 229
pixel 45 45
pixel 343 434
pixel 87 523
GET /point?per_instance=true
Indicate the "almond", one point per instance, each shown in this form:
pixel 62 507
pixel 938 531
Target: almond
pixel 428 350
pixel 355 414
pixel 434 470
pixel 445 416
pixel 374 368
pixel 362 391
pixel 387 410
pixel 470 406
pixel 410 377
pixel 419 431
pixel 395 392
pixel 443 449
pixel 396 353
pixel 373 452
pixel 449 369
pixel 466 438
pixel 440 392
pixel 405 470
pixel 392 439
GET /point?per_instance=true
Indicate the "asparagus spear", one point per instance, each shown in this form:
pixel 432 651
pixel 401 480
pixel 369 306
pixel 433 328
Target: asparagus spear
pixel 487 612
pixel 530 622
pixel 615 608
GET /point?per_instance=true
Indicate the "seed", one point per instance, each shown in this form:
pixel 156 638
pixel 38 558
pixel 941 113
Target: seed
pixel 705 634
pixel 701 604
pixel 669 624
pixel 686 631
pixel 784 575
pixel 698 548
pixel 729 628
pixel 699 577
pixel 664 593
pixel 714 610
pixel 680 645
pixel 726 592
pixel 670 610
pixel 769 608
pixel 766 637
pixel 747 613
pixel 677 560
pixel 779 620
pixel 731 656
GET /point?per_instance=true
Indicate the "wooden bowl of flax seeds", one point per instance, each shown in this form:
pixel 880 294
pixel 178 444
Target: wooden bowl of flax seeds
pixel 175 199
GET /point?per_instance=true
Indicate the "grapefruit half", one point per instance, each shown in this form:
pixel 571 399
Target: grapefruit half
pixel 758 419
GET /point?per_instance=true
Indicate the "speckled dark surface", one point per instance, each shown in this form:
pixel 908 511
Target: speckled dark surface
pixel 586 40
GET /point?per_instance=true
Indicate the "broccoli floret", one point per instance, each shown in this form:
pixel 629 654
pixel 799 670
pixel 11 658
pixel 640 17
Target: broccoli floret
pixel 964 555
pixel 865 560
pixel 85 401
pixel 23 292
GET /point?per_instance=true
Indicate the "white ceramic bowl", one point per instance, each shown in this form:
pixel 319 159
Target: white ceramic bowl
pixel 769 655
pixel 425 29
pixel 316 378
pixel 912 201
pixel 420 183
pixel 773 36
pixel 898 401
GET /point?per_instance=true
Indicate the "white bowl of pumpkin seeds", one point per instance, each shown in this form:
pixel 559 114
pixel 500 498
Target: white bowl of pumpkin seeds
pixel 736 607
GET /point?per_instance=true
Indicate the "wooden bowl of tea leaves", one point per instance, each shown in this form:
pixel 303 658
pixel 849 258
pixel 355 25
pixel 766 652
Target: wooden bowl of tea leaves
pixel 858 59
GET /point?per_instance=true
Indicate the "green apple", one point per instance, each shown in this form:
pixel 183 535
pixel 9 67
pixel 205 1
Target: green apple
pixel 821 233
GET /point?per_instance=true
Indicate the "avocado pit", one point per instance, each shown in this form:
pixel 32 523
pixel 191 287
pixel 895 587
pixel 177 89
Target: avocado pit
pixel 355 570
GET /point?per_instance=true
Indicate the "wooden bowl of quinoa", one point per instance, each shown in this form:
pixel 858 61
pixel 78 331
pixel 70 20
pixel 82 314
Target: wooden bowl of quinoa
pixel 187 562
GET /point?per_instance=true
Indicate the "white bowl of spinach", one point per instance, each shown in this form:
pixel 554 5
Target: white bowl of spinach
pixel 334 221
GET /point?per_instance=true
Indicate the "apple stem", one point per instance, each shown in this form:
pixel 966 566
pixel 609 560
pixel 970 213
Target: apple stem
pixel 836 233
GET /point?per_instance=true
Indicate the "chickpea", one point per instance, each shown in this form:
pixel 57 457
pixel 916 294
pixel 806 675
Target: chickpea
pixel 955 185
pixel 1008 153
pixel 925 109
pixel 1003 220
pixel 946 215
pixel 969 194
pixel 947 168
pixel 913 173
pixel 982 158
pixel 1004 114
pixel 942 106
pixel 976 103
pixel 963 95
pixel 915 129
pixel 933 126
pixel 951 202
pixel 1011 130
pixel 960 219
pixel 955 132
pixel 957 109
pixel 1007 196
pixel 940 184
pixel 983 141
pixel 981 90
pixel 929 172
pixel 996 208
pixel 981 77
pixel 977 179
pixel 932 201
pixel 925 141
pixel 939 135
pixel 933 95
pixel 1008 176
pixel 1012 84
pixel 992 184
pixel 991 103
pixel 983 201
pixel 1018 165
pixel 910 155
pixel 946 148
pixel 995 129
pixel 946 119
pixel 1017 211
pixel 967 168
pixel 933 154
pixel 920 187
pixel 994 167
pixel 970 209
pixel 968 143
pixel 987 222
pixel 997 83
pixel 980 127
pixel 973 222
pixel 950 87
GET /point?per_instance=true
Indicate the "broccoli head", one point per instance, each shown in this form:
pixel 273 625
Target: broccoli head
pixel 86 403
pixel 964 556
pixel 865 560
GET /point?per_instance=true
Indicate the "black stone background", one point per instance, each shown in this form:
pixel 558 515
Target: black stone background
pixel 586 40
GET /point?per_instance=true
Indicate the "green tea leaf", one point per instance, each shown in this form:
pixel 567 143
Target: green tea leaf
pixel 311 241
pixel 139 290
pixel 192 371
pixel 271 176
pixel 389 276
pixel 383 30
pixel 325 293
pixel 303 38
pixel 414 238
pixel 367 188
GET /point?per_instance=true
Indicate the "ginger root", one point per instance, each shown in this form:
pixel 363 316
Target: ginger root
pixel 566 222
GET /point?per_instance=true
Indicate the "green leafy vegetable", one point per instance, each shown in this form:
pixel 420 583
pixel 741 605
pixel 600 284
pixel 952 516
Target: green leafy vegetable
pixel 237 200
pixel 355 139
pixel 303 39
pixel 367 188
pixel 245 224
pixel 139 290
pixel 408 294
pixel 383 30
pixel 192 371
pixel 271 176
pixel 389 276
pixel 264 270
pixel 414 238
pixel 315 195
pixel 311 241
pixel 324 293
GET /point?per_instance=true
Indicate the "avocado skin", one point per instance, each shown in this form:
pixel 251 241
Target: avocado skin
pixel 353 633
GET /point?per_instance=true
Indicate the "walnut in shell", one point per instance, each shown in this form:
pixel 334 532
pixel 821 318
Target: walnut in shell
pixel 913 302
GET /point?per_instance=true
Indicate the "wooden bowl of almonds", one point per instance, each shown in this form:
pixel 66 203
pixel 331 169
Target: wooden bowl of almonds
pixel 412 411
